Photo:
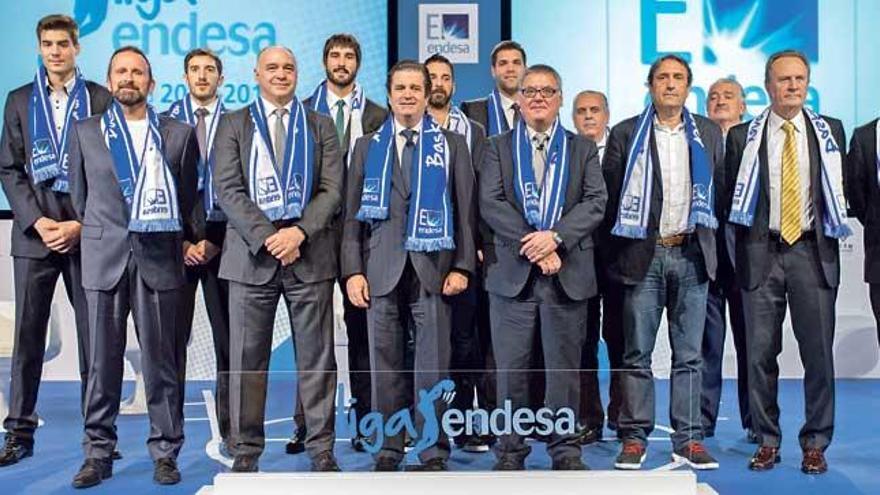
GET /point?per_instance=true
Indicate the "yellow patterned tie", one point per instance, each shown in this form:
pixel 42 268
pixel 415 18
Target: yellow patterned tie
pixel 790 224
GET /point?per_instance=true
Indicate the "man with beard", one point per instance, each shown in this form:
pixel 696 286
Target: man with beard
pixel 201 108
pixel 408 245
pixel 133 180
pixel 343 100
pixel 499 111
pixel 279 176
pixel 471 341
pixel 45 232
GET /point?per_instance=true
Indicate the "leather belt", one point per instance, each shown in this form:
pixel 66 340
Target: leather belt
pixel 673 240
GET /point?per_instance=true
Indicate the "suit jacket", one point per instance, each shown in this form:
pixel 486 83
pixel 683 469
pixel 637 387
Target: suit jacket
pixel 506 270
pixel 753 243
pixel 376 250
pixel 104 215
pixel 478 111
pixel 863 194
pixel 371 119
pixel 626 260
pixel 30 202
pixel 244 259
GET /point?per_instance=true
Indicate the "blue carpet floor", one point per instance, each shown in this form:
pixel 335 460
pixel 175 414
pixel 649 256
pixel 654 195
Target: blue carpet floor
pixel 851 456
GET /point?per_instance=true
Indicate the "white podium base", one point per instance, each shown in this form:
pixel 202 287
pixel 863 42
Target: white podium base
pixel 464 483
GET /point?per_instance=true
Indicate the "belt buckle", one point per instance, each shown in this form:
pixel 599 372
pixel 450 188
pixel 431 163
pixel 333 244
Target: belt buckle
pixel 671 241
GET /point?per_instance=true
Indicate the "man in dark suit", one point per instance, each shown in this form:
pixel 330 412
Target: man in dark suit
pixel 400 265
pixel 471 338
pixel 789 216
pixel 662 168
pixel 45 232
pixel 863 193
pixel 342 99
pixel 279 176
pixel 499 111
pixel 135 208
pixel 202 108
pixel 725 107
pixel 539 266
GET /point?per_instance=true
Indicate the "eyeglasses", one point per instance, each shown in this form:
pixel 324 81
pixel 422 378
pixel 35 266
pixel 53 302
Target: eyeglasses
pixel 546 92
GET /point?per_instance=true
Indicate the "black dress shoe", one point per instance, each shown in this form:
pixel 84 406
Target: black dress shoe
pixel 435 464
pixel 359 443
pixel 116 455
pixel 765 458
pixel 165 471
pixel 92 472
pixel 15 450
pixel 384 464
pixel 325 463
pixel 297 443
pixel 509 463
pixel 245 464
pixel 569 464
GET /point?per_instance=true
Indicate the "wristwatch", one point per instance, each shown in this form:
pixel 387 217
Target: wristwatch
pixel 558 240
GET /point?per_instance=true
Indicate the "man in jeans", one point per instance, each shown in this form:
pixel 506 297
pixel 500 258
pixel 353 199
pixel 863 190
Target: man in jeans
pixel 659 169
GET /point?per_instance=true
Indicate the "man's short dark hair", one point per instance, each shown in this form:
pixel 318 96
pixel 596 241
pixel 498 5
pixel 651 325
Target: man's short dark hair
pixel 782 54
pixel 132 49
pixel 343 40
pixel 202 52
pixel 440 59
pixel 543 69
pixel 508 45
pixel 670 56
pixel 409 65
pixel 58 22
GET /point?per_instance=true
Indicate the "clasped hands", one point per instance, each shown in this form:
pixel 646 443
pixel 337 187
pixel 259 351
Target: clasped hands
pixel 540 248
pixel 58 236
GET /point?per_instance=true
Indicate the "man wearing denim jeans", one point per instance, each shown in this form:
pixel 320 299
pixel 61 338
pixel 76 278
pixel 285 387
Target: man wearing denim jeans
pixel 664 255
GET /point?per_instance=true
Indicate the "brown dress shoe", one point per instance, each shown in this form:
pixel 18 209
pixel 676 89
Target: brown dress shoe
pixel 765 458
pixel 814 462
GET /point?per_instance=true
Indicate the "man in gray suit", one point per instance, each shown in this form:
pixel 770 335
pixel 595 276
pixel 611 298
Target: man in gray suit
pixel 542 196
pixel 341 98
pixel 787 251
pixel 279 176
pixel 135 210
pixel 662 169
pixel 45 232
pixel 408 245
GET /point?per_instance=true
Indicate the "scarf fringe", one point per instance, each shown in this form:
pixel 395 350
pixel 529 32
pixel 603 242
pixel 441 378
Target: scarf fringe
pixel 367 213
pixel 429 245
pixel 630 231
pixel 147 226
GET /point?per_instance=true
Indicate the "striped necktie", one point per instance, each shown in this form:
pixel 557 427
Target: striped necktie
pixel 790 224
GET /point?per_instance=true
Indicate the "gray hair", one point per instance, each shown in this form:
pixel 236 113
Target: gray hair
pixel 593 93
pixel 729 80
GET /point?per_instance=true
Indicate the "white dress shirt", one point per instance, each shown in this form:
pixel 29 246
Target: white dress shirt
pixel 400 140
pixel 775 145
pixel 271 117
pixel 601 145
pixel 212 109
pixel 138 130
pixel 675 172
pixel 59 104
pixel 346 108
pixel 509 112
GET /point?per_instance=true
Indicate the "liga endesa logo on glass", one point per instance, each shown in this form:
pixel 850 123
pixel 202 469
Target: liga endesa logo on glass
pixel 450 30
pixel 453 422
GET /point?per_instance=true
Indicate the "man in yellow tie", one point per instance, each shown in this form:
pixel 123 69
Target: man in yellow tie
pixel 786 202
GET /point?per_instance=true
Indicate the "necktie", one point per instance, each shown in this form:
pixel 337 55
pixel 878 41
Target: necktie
pixel 279 136
pixel 515 108
pixel 539 157
pixel 790 224
pixel 201 132
pixel 406 158
pixel 340 120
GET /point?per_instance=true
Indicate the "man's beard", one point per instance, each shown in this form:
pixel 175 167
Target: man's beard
pixel 439 99
pixel 129 98
pixel 341 78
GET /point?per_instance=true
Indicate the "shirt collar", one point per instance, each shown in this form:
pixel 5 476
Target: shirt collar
pixel 332 99
pixel 660 127
pixel 505 101
pixel 68 86
pixel 271 107
pixel 212 107
pixel 776 122
pixel 398 127
pixel 532 133
pixel 602 142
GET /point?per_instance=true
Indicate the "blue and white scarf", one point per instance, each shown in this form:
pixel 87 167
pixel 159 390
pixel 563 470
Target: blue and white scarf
pixel 542 206
pixel 429 220
pixel 144 177
pixel 457 122
pixel 182 110
pixel 49 150
pixel 281 190
pixel 358 100
pixel 497 117
pixel 635 201
pixel 745 198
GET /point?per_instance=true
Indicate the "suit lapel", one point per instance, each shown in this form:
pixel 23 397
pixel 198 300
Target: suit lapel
pixel 505 158
pixel 247 141
pixel 576 171
pixel 657 196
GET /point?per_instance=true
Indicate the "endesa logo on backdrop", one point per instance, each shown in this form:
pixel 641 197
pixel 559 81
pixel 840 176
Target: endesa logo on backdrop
pixel 450 30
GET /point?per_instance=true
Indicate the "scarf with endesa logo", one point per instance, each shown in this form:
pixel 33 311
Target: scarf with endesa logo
pixel 635 200
pixel 145 179
pixel 358 100
pixel 745 197
pixel 183 111
pixel 542 206
pixel 281 187
pixel 49 150
pixel 429 219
